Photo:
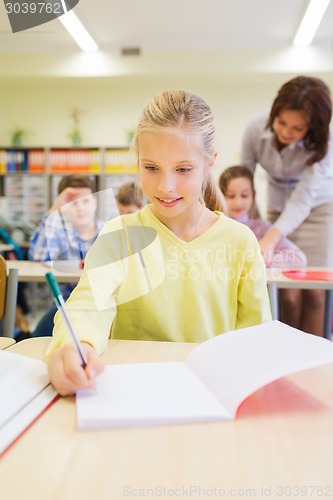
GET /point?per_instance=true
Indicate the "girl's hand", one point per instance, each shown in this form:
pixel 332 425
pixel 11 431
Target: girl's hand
pixel 66 372
pixel 268 243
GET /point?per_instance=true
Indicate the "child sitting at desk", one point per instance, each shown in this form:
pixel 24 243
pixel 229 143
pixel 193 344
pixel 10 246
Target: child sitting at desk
pixel 177 270
pixel 130 198
pixel 236 183
pixel 66 232
pixel 72 238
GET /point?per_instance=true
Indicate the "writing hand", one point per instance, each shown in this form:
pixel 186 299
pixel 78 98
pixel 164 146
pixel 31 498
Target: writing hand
pixel 66 372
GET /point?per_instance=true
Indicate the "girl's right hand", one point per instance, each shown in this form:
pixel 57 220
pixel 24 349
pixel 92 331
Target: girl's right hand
pixel 66 372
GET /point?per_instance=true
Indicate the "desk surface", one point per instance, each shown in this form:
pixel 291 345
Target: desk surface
pixel 6 342
pixel 35 271
pixel 287 442
pixel 5 247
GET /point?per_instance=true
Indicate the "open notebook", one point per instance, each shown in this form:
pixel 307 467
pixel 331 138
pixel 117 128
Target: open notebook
pixel 215 379
pixel 25 392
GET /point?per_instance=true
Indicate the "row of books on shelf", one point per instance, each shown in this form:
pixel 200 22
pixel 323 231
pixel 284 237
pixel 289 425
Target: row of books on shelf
pixel 63 160
pixel 22 161
pixel 80 161
pixel 28 197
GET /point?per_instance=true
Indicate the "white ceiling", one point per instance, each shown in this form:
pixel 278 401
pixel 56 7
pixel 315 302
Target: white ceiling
pixel 168 28
pixel 174 25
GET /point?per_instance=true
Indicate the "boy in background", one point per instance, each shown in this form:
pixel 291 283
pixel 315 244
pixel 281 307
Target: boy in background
pixel 130 198
pixel 66 232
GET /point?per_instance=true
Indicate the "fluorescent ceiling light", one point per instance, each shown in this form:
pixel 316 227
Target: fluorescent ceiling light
pixel 311 20
pixel 78 32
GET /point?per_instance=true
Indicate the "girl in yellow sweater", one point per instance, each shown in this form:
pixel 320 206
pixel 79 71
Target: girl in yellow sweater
pixel 177 270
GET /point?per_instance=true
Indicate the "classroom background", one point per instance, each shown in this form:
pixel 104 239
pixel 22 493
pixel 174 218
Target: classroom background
pixel 236 55
pixel 110 109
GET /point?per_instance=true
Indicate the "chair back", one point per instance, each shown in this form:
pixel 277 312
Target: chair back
pixel 3 285
pixel 8 299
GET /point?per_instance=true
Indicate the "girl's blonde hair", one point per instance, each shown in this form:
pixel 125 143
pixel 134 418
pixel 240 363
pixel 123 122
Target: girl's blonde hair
pixel 191 115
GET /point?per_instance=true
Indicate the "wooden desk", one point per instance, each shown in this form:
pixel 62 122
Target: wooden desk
pixel 5 342
pixel 30 271
pixel 276 279
pixel 261 455
pixel 5 247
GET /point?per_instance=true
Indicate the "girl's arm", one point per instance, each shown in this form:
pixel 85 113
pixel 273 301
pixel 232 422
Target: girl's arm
pixel 93 329
pixel 92 309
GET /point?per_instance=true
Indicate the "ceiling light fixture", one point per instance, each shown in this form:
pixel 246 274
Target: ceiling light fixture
pixel 311 20
pixel 78 32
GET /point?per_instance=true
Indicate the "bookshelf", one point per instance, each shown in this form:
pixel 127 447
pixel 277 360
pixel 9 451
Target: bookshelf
pixel 29 177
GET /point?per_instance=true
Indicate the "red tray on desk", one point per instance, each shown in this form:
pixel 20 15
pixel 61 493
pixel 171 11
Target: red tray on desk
pixel 309 275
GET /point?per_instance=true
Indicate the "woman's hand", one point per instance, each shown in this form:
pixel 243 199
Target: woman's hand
pixel 66 372
pixel 268 243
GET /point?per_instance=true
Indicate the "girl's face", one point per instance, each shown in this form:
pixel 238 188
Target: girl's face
pixel 172 169
pixel 239 197
pixel 290 126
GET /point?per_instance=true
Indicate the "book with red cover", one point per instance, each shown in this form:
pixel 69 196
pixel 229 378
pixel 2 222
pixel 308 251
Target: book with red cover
pixel 25 392
pixel 309 275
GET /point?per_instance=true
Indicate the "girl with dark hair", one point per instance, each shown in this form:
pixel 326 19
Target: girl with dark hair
pixel 236 184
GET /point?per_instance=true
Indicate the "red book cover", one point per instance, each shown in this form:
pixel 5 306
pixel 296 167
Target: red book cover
pixel 309 275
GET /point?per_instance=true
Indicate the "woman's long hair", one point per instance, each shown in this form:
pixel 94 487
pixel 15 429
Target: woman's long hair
pixel 312 96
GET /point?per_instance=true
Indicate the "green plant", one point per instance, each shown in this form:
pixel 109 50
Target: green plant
pixel 76 135
pixel 18 136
